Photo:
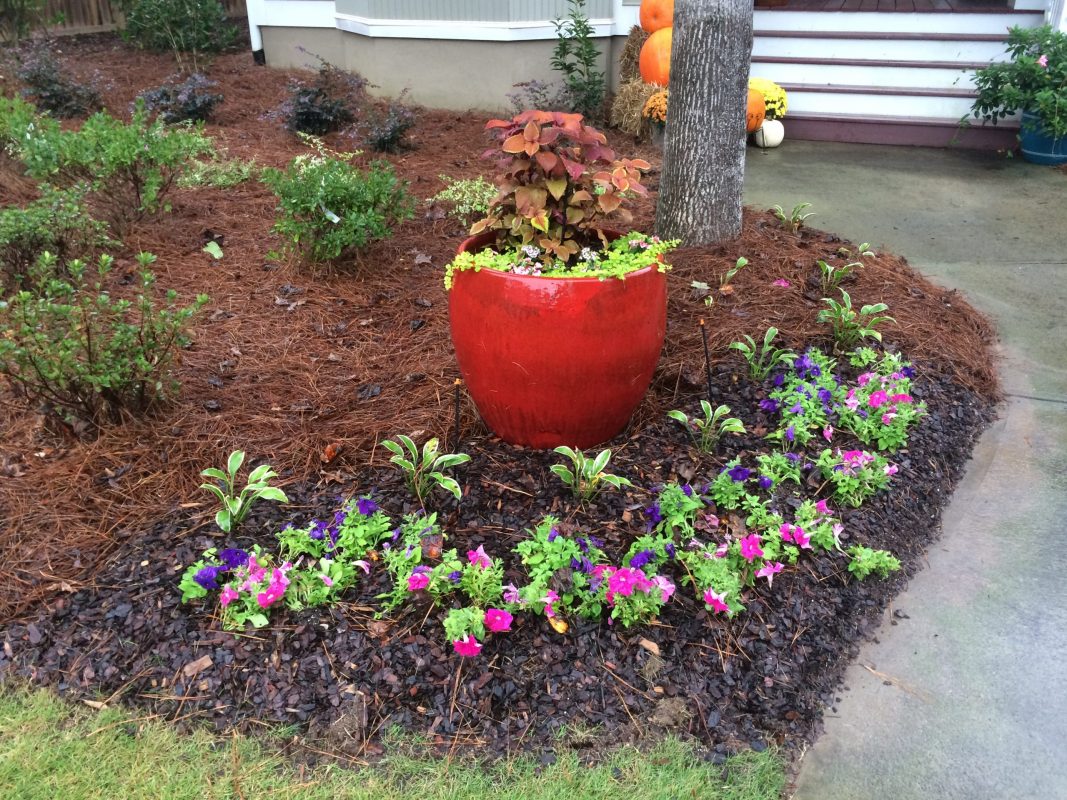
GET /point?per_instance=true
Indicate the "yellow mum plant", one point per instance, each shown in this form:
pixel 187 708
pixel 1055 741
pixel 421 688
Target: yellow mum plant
pixel 773 96
pixel 655 109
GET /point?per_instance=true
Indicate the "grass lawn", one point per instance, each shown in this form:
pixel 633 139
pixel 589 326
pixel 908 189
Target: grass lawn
pixel 50 749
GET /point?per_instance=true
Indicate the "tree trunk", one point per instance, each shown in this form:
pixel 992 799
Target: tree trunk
pixel 704 149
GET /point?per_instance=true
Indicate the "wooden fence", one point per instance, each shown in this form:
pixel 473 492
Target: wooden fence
pixel 94 16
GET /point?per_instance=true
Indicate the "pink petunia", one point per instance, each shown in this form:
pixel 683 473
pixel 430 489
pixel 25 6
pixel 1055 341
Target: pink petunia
pixel 550 598
pixel 721 550
pixel 769 570
pixel 468 646
pixel 901 398
pixel 1043 61
pixel 878 399
pixel 417 581
pixel 822 508
pixel 782 282
pixel 363 565
pixel 828 432
pixel 750 547
pixel 666 588
pixel 622 581
pixel 890 469
pixel 511 594
pixel 228 595
pixel 865 378
pixel 801 539
pixel 716 601
pixel 479 557
pixel 326 579
pixel 497 620
pixel 786 531
pixel 888 417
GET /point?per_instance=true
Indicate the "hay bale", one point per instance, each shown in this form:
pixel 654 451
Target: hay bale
pixel 629 69
pixel 626 110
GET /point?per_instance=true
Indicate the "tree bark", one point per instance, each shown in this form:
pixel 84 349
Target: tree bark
pixel 704 148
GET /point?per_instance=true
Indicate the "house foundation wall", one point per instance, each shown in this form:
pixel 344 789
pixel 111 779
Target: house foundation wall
pixel 438 73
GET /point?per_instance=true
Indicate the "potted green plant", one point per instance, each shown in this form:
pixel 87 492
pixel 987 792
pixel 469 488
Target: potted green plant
pixel 557 318
pixel 1033 82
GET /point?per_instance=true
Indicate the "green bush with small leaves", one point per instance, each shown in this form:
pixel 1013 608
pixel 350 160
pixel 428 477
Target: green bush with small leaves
pixel 183 27
pixel 129 167
pixel 58 223
pixel 86 353
pixel 328 208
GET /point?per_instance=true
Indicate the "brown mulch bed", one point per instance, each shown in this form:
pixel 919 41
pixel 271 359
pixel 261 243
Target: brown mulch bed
pixel 287 361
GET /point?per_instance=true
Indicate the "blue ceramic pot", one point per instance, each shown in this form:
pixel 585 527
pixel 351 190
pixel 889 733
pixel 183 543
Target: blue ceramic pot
pixel 1039 147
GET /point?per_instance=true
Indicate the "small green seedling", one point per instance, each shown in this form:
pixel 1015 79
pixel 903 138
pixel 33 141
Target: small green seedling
pixel 794 221
pixel 586 476
pixel 850 326
pixel 235 506
pixel 423 471
pixel 708 431
pixel 761 360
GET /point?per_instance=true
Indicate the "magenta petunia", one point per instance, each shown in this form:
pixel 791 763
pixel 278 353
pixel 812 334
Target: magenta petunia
pixel 716 601
pixel 878 399
pixel 468 646
pixel 822 508
pixel 750 547
pixel 782 282
pixel 479 557
pixel 228 595
pixel 417 581
pixel 769 570
pixel 497 620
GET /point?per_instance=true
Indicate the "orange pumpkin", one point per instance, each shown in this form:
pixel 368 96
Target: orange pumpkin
pixel 657 14
pixel 757 110
pixel 655 60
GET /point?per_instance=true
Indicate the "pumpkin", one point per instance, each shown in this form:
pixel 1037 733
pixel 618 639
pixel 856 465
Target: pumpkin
pixel 770 133
pixel 657 14
pixel 757 110
pixel 655 61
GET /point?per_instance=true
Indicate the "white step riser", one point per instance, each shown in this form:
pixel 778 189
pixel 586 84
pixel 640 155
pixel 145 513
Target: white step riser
pixel 878 105
pixel 836 75
pixel 891 49
pixel 870 22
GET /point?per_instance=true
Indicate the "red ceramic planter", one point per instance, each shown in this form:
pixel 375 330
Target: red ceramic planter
pixel 556 361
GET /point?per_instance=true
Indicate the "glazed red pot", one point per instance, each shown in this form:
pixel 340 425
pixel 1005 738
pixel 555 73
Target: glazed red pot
pixel 556 361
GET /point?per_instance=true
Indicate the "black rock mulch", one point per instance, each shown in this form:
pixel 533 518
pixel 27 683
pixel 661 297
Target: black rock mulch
pixel 763 677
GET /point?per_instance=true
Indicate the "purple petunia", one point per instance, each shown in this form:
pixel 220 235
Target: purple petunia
pixel 793 457
pixel 765 482
pixel 797 409
pixel 907 372
pixel 779 379
pixel 233 557
pixel 455 576
pixel 207 576
pixel 366 506
pixel 553 535
pixel 669 550
pixel 790 433
pixel 655 516
pixel 687 490
pixel 318 530
pixel 641 559
pixel 769 405
pixel 739 474
pixel 826 396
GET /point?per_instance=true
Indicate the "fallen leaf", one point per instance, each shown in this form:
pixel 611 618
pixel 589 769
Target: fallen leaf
pixel 196 667
pixel 649 645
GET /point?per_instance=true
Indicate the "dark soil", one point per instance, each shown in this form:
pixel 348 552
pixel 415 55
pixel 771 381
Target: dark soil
pixel 97 532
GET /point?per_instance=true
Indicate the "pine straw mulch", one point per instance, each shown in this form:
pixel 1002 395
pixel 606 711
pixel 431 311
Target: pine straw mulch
pixel 287 361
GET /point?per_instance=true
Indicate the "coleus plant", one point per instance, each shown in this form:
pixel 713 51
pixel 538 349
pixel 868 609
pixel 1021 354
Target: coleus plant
pixel 559 183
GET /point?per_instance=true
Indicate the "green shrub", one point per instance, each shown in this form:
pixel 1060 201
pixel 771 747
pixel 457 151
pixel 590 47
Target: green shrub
pixel 577 57
pixel 183 27
pixel 328 207
pixel 57 223
pixel 466 200
pixel 18 119
pixel 85 353
pixel 129 167
pixel 17 18
pixel 52 89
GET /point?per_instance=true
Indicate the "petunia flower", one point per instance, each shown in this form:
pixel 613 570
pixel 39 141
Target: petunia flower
pixel 782 282
pixel 327 580
pixel 666 588
pixel 765 482
pixel 622 581
pixel 801 539
pixel 790 433
pixel 716 601
pixel 890 469
pixel 750 547
pixel 479 557
pixel 511 594
pixel 739 474
pixel 641 559
pixel 549 599
pixel 497 620
pixel 878 399
pixel 828 432
pixel 207 576
pixel 769 570
pixel 822 508
pixel 1043 61
pixel 468 646
pixel 366 506
pixel 417 581
pixel 721 550
pixel 228 595
pixel 363 565
pixel 233 558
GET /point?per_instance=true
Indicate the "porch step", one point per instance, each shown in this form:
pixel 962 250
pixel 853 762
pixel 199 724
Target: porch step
pixel 903 77
pixel 902 130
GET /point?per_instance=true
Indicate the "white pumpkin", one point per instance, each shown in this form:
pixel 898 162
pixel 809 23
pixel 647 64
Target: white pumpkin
pixel 770 133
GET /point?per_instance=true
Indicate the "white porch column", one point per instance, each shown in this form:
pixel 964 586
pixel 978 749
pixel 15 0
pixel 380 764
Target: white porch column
pixel 1056 15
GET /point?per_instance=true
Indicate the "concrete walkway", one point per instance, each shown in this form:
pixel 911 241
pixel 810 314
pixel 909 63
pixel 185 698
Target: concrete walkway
pixel 967 697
